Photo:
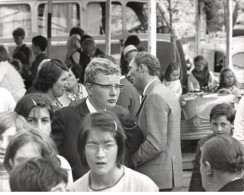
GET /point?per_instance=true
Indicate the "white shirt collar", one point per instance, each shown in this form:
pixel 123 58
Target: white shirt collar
pixel 90 106
pixel 144 91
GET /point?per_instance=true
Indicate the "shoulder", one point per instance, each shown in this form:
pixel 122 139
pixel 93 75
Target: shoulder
pixel 82 184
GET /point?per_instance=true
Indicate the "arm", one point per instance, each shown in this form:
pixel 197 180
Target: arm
pixel 156 126
pixel 239 122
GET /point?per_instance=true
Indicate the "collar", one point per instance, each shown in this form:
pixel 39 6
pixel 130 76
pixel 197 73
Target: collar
pixel 90 106
pixel 145 89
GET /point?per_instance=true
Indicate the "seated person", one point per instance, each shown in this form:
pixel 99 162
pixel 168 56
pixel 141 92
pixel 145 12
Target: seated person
pixel 221 118
pixel 38 175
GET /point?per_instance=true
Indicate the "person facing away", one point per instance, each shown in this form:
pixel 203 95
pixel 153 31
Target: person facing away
pixel 172 78
pixel 159 156
pixel 39 45
pixel 201 77
pixel 19 36
pixel 222 164
pixel 228 81
pixel 101 146
pixel 221 119
pixel 102 81
pixel 38 175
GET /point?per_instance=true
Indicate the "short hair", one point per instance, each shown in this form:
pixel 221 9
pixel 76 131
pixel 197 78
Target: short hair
pixel 100 65
pixel 3 54
pixel 222 78
pixel 104 121
pixel 21 57
pixel 224 153
pixel 171 67
pixel 88 43
pixel 84 37
pixel 44 143
pixel 20 32
pixel 49 74
pixel 201 58
pixel 76 30
pixel 37 174
pixel 223 109
pixel 40 41
pixel 16 64
pixel 148 60
pixel 132 40
pixel 77 70
pixel 30 101
pixel 9 119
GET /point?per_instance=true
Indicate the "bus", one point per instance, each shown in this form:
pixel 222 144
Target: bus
pixel 127 17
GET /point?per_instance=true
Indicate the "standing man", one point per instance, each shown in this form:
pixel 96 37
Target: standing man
pixel 39 45
pixel 19 36
pixel 102 81
pixel 158 117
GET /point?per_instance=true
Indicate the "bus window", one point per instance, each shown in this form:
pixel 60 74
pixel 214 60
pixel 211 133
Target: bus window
pixel 64 17
pixel 95 14
pixel 14 16
pixel 238 60
pixel 136 15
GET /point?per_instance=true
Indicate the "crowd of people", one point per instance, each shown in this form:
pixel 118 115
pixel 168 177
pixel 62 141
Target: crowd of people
pixel 90 123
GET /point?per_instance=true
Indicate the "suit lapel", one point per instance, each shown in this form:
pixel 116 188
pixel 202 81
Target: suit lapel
pixel 149 89
pixel 83 109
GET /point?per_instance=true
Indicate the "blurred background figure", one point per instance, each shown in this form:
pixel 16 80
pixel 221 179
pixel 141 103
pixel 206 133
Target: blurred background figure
pixel 10 78
pixel 101 147
pixel 222 164
pixel 31 143
pixel 172 78
pixel 73 45
pixel 19 36
pixel 10 124
pixel 75 90
pixel 200 78
pixel 228 82
pixel 38 175
pixel 7 102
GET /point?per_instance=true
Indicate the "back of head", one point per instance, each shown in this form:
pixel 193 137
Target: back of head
pixel 17 64
pixel 45 145
pixel 40 41
pixel 132 40
pixel 19 32
pixel 148 60
pixel 224 153
pixel 223 109
pixel 3 54
pixel 10 119
pixel 76 30
pixel 88 44
pixel 37 174
pixel 21 57
pixel 100 65
pixel 29 101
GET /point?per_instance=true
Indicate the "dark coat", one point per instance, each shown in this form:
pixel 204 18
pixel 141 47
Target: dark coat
pixel 36 62
pixel 234 186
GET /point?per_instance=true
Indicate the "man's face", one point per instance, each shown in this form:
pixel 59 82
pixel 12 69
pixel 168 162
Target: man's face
pixel 135 75
pixel 221 125
pixel 100 94
pixel 18 40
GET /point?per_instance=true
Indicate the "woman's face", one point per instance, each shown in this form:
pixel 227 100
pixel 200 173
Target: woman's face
pixel 25 152
pixel 200 65
pixel 175 75
pixel 229 79
pixel 39 117
pixel 72 80
pixel 101 152
pixel 60 86
pixel 4 141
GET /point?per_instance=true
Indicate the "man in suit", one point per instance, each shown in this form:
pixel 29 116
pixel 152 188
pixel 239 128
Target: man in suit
pixel 102 81
pixel 39 45
pixel 158 117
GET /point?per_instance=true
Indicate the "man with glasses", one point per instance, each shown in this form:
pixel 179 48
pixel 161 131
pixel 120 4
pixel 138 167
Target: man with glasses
pixel 102 81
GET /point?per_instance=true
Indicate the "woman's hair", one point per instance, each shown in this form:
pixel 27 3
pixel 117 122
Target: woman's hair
pixel 37 174
pixel 30 101
pixel 201 58
pixel 3 54
pixel 49 74
pixel 9 119
pixel 224 153
pixel 223 109
pixel 222 83
pixel 171 67
pixel 44 143
pixel 104 121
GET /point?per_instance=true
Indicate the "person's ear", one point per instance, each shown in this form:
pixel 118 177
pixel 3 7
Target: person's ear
pixel 88 88
pixel 142 68
pixel 208 168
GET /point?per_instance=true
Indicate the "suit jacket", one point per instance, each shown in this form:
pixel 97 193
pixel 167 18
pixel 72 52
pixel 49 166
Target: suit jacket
pixel 66 128
pixel 36 62
pixel 159 156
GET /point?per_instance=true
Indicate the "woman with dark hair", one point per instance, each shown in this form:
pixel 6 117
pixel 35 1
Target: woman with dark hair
pixel 52 80
pixel 222 164
pixel 75 90
pixel 201 77
pixel 101 148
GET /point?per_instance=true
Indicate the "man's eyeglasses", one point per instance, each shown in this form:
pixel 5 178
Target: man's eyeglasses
pixel 93 148
pixel 109 87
